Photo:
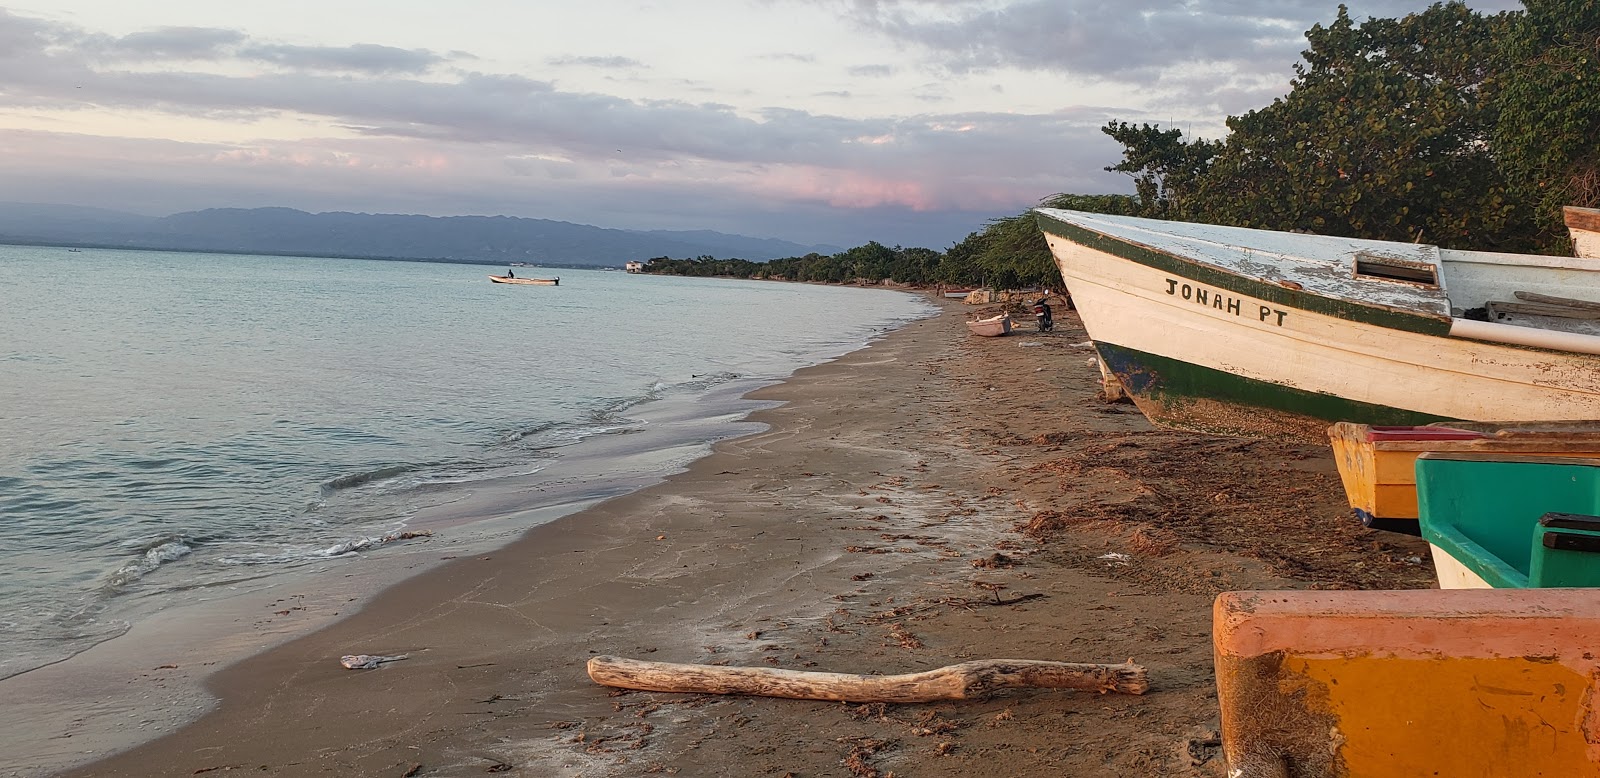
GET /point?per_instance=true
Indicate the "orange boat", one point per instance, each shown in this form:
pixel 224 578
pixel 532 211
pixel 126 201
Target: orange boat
pixel 1394 684
pixel 1378 465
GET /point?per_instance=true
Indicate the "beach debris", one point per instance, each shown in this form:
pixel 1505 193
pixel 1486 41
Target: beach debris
pixel 1116 557
pixel 993 561
pixel 362 544
pixel 967 680
pixel 368 661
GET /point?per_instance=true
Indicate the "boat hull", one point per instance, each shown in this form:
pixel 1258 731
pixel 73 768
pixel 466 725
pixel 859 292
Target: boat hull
pixel 1391 684
pixel 990 328
pixel 526 281
pixel 1511 522
pixel 1200 349
pixel 1378 466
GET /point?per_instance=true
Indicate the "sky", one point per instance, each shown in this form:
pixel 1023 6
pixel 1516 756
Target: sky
pixel 908 122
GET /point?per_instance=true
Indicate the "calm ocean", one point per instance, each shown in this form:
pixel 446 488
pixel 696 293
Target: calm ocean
pixel 174 424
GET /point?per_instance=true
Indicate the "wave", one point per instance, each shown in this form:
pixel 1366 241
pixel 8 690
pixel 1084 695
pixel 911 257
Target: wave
pixel 355 480
pixel 515 435
pixel 304 554
pixel 161 552
pixel 612 411
pixel 535 440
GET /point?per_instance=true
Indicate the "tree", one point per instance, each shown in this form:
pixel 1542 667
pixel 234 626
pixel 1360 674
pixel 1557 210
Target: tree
pixel 1548 97
pixel 960 265
pixel 1165 168
pixel 1384 134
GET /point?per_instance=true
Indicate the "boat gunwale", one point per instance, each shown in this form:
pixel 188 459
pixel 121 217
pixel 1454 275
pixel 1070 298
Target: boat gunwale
pixel 1576 217
pixel 1195 270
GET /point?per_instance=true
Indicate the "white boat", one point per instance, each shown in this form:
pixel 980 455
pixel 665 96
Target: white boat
pixel 1239 331
pixel 1584 226
pixel 992 327
pixel 525 281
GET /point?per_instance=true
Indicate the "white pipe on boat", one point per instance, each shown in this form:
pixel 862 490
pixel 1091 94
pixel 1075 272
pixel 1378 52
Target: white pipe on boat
pixel 1525 336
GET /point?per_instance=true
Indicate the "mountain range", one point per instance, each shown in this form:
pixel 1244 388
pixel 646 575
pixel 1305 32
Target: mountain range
pixel 485 239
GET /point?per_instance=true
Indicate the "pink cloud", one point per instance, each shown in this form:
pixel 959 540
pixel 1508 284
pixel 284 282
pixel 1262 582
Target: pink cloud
pixel 859 190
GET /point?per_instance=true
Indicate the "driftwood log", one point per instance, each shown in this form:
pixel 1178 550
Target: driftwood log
pixel 957 682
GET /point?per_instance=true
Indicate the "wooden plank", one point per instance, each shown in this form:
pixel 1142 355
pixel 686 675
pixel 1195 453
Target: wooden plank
pixel 1553 300
pixel 1541 309
pixel 1582 218
pixel 963 681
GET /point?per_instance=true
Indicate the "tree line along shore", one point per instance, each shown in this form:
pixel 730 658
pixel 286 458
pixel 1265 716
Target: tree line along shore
pixel 1450 127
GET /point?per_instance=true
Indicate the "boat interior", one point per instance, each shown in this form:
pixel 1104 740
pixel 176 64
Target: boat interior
pixel 1553 293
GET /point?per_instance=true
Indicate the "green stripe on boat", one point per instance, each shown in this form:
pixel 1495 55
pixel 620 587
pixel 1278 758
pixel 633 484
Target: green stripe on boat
pixel 1172 384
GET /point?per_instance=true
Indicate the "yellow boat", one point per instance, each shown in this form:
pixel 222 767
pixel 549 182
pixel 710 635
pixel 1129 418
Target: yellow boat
pixel 1378 465
pixel 1396 684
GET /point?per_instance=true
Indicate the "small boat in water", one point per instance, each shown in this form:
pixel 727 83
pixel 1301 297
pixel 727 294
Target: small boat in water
pixel 1511 522
pixel 992 327
pixel 1240 331
pixel 1378 465
pixel 527 281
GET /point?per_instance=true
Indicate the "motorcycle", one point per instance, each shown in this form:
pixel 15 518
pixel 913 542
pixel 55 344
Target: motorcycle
pixel 1041 314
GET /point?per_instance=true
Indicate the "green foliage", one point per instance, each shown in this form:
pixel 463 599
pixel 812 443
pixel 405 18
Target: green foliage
pixel 1384 135
pixel 1165 169
pixel 1547 93
pixel 870 263
pixel 1446 126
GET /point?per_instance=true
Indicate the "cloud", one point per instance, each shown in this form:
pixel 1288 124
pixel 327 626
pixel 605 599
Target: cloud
pixel 607 63
pixel 871 71
pixel 1142 43
pixel 802 203
pixel 42 47
pixel 174 43
pixel 481 142
pixel 361 57
pixel 786 56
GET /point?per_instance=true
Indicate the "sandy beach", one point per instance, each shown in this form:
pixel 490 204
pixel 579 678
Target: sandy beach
pixel 931 499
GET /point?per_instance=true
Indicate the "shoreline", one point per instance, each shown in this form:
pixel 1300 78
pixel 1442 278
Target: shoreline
pixel 894 493
pixel 153 678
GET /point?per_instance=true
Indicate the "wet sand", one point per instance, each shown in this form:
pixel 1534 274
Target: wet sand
pixel 902 506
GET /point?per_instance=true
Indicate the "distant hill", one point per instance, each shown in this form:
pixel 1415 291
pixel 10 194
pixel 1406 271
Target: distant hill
pixel 487 239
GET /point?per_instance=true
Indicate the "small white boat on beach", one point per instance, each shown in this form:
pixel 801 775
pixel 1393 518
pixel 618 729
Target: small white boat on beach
pixel 991 327
pixel 1240 331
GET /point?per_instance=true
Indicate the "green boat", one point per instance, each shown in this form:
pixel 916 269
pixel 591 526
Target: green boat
pixel 1511 523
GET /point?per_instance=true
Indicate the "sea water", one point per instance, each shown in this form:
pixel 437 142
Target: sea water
pixel 174 424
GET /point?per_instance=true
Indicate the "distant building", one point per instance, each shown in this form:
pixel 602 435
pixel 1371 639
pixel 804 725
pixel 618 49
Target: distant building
pixel 635 267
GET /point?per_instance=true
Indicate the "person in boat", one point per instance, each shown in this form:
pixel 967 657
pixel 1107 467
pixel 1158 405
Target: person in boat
pixel 510 274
